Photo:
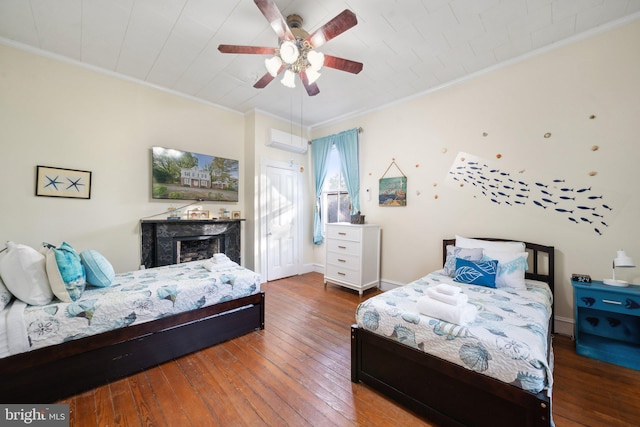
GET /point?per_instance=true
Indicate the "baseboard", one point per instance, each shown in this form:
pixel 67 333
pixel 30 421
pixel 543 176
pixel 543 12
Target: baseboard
pixel 564 326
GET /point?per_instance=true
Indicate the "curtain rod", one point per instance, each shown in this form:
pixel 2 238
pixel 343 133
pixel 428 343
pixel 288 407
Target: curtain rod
pixel 360 130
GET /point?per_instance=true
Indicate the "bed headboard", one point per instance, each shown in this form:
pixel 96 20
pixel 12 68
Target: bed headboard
pixel 541 262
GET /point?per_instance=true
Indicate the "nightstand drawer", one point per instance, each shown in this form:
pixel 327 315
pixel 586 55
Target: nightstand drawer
pixel 608 301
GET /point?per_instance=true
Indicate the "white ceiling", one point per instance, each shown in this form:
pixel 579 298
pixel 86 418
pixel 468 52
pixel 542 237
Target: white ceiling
pixel 407 46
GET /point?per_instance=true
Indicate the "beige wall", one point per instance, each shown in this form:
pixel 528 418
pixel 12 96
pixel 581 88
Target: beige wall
pixel 56 114
pixel 553 92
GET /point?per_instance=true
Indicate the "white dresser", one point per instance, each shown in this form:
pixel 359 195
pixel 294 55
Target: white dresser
pixel 353 256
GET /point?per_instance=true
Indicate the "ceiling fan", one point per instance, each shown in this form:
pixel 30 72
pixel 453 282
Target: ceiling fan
pixel 296 52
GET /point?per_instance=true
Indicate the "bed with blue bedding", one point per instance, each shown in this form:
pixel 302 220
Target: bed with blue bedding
pixel 144 318
pixel 495 370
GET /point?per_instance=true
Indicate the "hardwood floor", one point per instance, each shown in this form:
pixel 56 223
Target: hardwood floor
pixel 296 372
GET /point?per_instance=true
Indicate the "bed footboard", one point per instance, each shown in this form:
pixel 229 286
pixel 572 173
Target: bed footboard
pixel 445 393
pixel 53 373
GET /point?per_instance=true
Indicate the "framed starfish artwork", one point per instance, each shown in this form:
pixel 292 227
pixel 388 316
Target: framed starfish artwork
pixel 59 182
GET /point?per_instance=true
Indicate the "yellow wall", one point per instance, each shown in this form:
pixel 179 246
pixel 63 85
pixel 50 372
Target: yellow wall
pixel 59 115
pixel 553 92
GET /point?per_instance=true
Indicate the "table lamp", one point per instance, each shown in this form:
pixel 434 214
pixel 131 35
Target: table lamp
pixel 621 260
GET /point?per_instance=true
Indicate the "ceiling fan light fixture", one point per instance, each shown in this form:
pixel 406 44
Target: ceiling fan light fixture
pixel 289 52
pixel 273 65
pixel 289 79
pixel 312 75
pixel 316 60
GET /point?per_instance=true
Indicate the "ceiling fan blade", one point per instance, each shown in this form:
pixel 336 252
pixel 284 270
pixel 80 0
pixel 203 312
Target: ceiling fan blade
pixel 338 25
pixel 311 88
pixel 342 64
pixel 267 78
pixel 230 48
pixel 275 18
pixel 264 81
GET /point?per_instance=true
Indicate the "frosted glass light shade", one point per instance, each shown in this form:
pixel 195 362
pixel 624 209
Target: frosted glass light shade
pixel 312 75
pixel 316 59
pixel 273 65
pixel 289 79
pixel 289 52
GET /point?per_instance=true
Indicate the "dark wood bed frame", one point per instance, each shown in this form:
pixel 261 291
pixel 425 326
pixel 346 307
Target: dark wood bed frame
pixel 52 373
pixel 444 392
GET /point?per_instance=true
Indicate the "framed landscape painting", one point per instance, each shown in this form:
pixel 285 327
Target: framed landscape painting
pixel 183 175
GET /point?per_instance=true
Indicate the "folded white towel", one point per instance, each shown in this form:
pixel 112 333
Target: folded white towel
pixel 457 299
pixel 447 289
pixel 211 265
pixel 458 314
pixel 220 257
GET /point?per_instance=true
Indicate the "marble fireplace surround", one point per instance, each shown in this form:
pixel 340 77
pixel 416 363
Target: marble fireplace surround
pixel 160 237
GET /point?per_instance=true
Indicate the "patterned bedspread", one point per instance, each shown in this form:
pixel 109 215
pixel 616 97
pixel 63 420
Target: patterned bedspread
pixel 507 340
pixel 134 297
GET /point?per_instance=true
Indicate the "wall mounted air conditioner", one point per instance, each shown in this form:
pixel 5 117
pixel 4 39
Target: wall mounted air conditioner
pixel 286 141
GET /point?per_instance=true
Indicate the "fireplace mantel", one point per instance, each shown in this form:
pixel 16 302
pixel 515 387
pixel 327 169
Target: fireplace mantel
pixel 159 238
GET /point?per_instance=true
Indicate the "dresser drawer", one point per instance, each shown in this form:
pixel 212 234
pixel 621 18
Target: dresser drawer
pixel 344 260
pixel 344 233
pixel 608 301
pixel 343 247
pixel 340 273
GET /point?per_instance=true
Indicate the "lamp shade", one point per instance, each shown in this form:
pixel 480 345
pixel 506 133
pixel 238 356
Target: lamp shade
pixel 623 260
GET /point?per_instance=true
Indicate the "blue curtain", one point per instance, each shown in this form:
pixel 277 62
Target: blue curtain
pixel 320 149
pixel 347 145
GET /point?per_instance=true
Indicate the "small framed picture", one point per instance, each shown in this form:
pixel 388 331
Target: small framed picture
pixel 59 182
pixel 197 214
pixel 235 214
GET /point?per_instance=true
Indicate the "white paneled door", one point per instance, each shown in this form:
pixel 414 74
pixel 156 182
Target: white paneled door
pixel 282 222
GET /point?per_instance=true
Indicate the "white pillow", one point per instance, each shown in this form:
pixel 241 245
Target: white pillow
pixel 464 242
pixel 5 295
pixel 23 271
pixel 511 268
pixel 453 252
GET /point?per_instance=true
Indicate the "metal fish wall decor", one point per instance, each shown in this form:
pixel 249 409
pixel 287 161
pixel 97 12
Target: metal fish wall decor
pixel 579 205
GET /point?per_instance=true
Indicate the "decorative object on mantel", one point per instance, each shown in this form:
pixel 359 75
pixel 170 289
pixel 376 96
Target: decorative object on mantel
pixel 393 191
pixel 197 213
pixel 621 260
pixel 235 214
pixel 59 182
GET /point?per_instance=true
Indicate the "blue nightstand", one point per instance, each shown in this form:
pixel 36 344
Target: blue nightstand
pixel 608 322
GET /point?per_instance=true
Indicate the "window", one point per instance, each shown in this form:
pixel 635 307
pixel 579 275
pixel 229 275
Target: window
pixel 336 203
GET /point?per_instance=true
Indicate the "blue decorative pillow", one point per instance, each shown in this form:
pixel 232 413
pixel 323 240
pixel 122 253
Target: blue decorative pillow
pixel 481 273
pixel 100 272
pixel 65 271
